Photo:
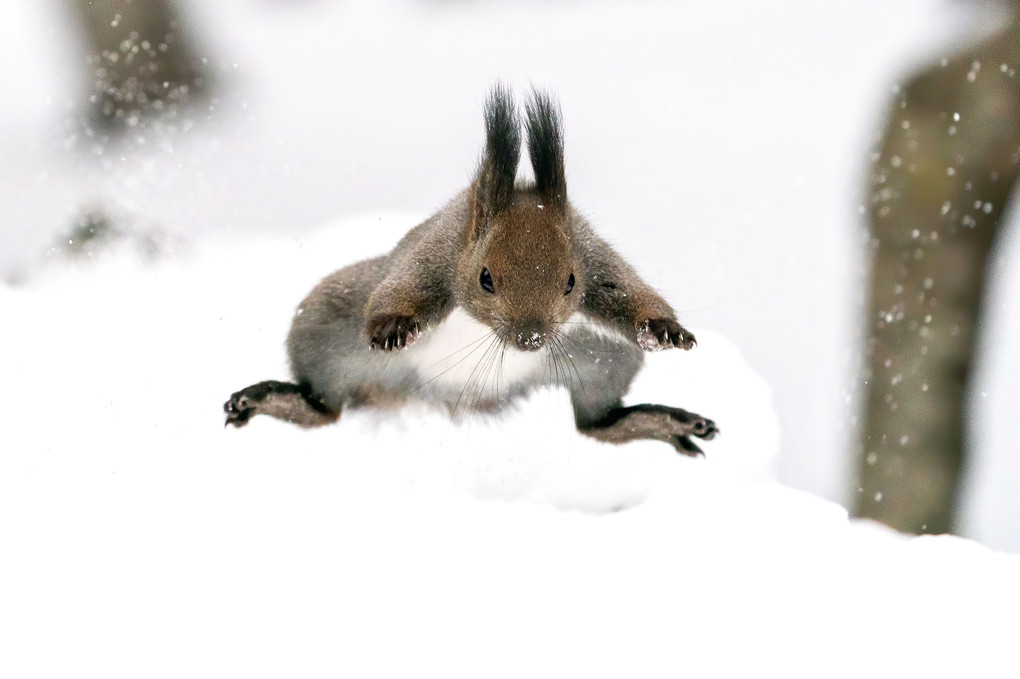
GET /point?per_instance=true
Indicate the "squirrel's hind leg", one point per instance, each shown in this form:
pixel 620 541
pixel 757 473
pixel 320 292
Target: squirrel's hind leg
pixel 674 426
pixel 602 374
pixel 283 400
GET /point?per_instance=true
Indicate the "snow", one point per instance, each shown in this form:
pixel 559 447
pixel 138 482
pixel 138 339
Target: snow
pixel 142 538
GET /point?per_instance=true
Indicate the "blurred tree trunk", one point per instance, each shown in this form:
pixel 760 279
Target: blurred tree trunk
pixel 142 63
pixel 946 169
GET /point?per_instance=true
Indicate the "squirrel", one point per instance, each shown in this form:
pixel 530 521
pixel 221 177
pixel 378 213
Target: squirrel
pixel 504 290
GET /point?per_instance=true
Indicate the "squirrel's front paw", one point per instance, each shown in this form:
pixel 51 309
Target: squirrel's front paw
pixel 388 332
pixel 656 334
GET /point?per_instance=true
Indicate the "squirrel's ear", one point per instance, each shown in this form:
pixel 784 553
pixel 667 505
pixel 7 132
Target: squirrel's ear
pixel 545 146
pixel 494 185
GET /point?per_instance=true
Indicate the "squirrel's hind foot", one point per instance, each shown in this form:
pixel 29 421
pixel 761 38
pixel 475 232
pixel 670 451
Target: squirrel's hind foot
pixel 285 401
pixel 674 426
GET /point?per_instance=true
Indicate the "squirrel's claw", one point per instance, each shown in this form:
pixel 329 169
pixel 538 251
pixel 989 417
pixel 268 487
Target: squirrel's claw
pixel 245 404
pixel 699 426
pixel 388 332
pixel 656 334
pixel 238 410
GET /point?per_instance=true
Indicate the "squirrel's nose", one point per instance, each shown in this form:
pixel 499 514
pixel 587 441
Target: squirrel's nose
pixel 529 339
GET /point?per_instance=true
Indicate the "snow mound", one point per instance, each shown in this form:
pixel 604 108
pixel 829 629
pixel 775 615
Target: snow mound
pixel 141 538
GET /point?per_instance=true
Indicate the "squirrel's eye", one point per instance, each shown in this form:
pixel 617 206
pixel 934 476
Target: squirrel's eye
pixel 570 284
pixel 486 281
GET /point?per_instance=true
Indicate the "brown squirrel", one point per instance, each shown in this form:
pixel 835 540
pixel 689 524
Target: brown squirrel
pixel 504 290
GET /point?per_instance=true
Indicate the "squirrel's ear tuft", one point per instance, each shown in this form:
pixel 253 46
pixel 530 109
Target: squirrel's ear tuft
pixel 545 146
pixel 494 186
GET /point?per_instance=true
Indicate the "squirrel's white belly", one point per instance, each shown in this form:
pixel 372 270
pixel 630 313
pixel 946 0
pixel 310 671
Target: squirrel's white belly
pixel 463 355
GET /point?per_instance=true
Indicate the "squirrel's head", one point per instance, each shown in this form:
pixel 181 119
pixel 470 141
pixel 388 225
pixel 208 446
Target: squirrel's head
pixel 519 272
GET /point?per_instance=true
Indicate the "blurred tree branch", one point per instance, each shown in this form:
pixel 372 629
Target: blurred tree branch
pixel 946 169
pixel 142 61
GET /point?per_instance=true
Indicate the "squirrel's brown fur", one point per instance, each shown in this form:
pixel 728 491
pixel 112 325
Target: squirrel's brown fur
pixel 517 284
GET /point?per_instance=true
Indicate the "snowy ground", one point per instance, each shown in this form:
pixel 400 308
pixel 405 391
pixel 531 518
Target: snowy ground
pixel 141 538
